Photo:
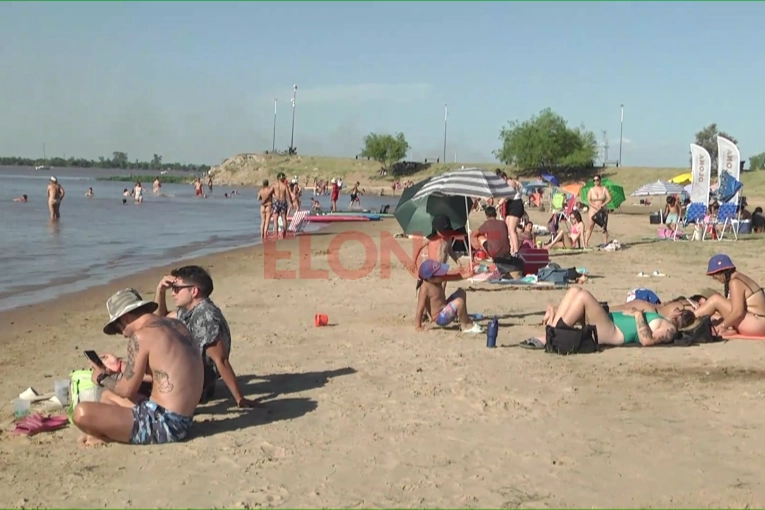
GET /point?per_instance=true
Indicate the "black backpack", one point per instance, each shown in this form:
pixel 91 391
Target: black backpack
pixel 700 333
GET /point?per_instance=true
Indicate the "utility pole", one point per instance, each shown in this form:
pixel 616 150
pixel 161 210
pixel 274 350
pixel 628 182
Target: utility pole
pixel 273 143
pixel 621 135
pixel 292 137
pixel 446 115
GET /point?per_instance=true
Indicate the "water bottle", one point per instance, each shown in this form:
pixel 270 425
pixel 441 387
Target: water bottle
pixel 491 333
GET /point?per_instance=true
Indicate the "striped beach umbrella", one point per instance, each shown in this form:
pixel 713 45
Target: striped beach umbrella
pixel 470 182
pixel 658 188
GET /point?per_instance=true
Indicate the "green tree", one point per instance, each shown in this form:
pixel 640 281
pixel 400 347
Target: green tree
pixel 384 148
pixel 156 162
pixel 545 142
pixel 707 138
pixel 757 162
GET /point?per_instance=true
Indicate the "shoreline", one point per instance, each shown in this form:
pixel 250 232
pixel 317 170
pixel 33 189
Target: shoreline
pixel 86 299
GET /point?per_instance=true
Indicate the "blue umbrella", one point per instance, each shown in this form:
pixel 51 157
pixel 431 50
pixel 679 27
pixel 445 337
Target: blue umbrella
pixel 551 179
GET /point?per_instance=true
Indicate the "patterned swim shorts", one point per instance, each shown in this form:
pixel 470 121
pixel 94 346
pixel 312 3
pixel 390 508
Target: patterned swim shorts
pixel 153 424
pixel 280 207
pixel 448 313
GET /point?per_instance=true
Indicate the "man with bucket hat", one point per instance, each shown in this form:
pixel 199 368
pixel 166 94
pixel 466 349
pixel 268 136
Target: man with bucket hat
pixel 159 347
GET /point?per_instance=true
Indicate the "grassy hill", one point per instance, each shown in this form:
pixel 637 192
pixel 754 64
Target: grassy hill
pixel 251 169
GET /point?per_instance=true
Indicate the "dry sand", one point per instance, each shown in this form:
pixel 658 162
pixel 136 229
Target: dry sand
pixel 370 413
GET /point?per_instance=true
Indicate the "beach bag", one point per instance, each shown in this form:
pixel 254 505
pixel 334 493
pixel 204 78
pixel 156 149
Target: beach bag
pixel 600 218
pixel 700 333
pixel 81 389
pixel 563 339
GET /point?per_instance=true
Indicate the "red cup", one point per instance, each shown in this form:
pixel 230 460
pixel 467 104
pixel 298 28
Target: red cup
pixel 320 320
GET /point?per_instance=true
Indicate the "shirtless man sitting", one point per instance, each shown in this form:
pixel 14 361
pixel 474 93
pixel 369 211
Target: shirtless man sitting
pixel 160 348
pixel 56 194
pixel 191 288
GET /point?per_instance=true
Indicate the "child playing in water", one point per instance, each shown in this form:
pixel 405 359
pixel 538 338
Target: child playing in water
pixel 432 298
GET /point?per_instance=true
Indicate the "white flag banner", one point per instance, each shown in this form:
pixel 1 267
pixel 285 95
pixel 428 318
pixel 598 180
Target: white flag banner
pixel 728 159
pixel 701 170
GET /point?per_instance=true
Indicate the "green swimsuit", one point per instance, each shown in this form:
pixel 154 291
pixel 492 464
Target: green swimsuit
pixel 628 325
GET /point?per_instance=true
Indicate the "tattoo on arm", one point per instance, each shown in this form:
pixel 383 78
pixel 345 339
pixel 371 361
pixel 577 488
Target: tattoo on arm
pixel 644 331
pixel 110 382
pixel 132 351
pixel 162 382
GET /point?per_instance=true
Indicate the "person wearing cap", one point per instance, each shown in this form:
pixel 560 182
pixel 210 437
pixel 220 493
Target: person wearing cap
pixel 431 298
pixel 742 307
pixel 191 287
pixel 55 194
pixel 160 348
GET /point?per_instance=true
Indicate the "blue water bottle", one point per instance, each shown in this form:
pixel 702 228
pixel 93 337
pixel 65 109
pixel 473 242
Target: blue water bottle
pixel 491 332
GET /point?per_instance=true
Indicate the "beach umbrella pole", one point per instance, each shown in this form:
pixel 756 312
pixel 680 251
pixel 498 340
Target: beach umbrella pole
pixel 467 225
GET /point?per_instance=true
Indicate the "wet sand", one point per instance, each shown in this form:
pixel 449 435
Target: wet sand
pixel 370 413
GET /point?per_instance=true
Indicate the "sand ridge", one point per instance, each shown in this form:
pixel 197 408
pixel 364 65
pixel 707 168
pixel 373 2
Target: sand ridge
pixel 370 413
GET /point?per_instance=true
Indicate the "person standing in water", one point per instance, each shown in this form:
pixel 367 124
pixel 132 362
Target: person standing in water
pixel 157 186
pixel 56 194
pixel 138 193
pixel 598 197
pixel 198 188
pixel 209 183
pixel 266 196
pixel 281 201
pixel 89 193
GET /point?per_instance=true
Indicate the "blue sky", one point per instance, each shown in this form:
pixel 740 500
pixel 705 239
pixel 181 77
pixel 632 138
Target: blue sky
pixel 196 81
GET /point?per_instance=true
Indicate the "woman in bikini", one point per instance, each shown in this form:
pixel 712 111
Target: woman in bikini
pixel 571 239
pixel 578 306
pixel 742 308
pixel 266 197
pixel 514 211
pixel 598 197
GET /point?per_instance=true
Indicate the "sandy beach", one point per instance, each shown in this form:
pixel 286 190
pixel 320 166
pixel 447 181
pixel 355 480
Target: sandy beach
pixel 369 413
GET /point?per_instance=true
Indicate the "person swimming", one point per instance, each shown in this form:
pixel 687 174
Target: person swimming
pixel 22 198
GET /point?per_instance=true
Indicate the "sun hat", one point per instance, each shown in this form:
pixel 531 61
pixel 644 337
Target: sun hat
pixel 53 179
pixel 122 302
pixel 719 262
pixel 431 268
pixel 332 181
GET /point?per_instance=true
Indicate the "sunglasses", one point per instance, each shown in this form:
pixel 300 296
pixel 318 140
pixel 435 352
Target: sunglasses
pixel 177 288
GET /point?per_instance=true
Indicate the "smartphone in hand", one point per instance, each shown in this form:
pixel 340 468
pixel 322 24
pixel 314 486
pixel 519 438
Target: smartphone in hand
pixel 95 359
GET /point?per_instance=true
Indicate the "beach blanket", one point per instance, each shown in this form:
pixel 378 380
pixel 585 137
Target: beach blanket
pixel 572 250
pixel 529 284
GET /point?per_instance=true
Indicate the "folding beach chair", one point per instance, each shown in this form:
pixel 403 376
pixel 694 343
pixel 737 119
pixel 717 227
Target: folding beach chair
pixel 725 216
pixel 693 214
pixel 299 222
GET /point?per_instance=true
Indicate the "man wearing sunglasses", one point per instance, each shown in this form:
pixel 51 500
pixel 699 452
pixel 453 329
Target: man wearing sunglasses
pixel 191 287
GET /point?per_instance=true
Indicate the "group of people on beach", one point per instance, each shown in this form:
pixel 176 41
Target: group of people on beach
pixel 173 362
pixel 277 201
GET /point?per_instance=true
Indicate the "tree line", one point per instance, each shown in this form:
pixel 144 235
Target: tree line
pixel 118 160
pixel 543 143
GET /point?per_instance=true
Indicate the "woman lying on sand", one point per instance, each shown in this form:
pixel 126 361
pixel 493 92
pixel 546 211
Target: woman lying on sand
pixel 742 308
pixel 615 328
pixel 572 238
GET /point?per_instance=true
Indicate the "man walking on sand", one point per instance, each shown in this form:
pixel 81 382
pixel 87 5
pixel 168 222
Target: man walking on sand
pixel 157 347
pixel 191 287
pixel 56 194
pixel 281 203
